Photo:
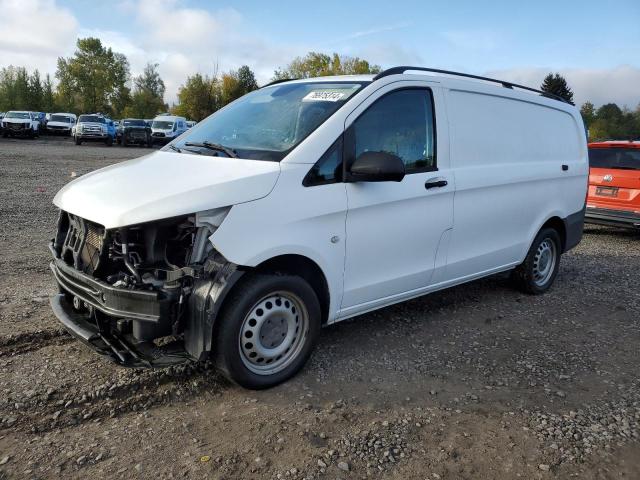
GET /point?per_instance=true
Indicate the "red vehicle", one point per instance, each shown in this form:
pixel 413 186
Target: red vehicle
pixel 614 184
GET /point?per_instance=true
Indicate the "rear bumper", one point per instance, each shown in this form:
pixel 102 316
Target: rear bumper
pixel 617 218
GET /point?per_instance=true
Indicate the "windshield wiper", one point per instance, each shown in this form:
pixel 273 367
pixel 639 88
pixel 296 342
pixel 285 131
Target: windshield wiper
pixel 174 148
pixel 213 146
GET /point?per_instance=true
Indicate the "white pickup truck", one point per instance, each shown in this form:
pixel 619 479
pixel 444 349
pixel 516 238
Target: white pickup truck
pixel 20 124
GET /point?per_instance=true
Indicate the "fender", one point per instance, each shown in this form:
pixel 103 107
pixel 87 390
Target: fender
pixel 204 304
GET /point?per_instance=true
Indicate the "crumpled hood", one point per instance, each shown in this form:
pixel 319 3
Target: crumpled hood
pixel 163 185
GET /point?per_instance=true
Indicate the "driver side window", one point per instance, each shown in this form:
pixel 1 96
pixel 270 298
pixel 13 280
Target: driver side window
pixel 400 123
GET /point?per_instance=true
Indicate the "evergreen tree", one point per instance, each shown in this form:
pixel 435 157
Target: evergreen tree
pixel 557 85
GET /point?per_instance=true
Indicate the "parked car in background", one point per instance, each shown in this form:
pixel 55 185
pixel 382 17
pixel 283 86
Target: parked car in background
pixel 1 117
pixel 165 128
pixel 94 127
pixel 42 121
pixel 134 131
pixel 61 123
pixel 308 202
pixel 614 184
pixel 20 123
pixel 191 123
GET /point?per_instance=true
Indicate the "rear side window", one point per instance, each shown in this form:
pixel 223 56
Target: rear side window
pixel 401 123
pixel 616 158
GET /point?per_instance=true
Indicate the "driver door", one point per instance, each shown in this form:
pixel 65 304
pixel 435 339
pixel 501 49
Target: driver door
pixel 397 232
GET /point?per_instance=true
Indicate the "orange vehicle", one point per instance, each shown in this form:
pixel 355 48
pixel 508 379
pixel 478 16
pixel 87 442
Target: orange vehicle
pixel 614 184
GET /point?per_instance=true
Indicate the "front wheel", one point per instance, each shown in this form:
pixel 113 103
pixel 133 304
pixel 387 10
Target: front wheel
pixel 538 271
pixel 268 328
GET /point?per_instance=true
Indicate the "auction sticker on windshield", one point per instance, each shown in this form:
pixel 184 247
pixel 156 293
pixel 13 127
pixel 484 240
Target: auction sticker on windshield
pixel 326 95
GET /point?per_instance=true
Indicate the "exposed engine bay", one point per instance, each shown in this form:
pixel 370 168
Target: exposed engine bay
pixel 133 284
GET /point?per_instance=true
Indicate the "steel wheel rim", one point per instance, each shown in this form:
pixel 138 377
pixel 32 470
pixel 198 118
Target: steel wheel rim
pixel 544 262
pixel 273 333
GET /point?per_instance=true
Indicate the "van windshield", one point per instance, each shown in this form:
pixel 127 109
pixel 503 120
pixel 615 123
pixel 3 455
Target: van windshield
pixel 268 123
pixel 615 157
pixel 162 125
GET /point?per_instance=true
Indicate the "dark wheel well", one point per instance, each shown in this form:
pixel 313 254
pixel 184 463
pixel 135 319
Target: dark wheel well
pixel 558 225
pixel 305 268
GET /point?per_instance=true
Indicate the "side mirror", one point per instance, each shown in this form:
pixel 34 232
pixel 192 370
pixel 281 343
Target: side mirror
pixel 377 167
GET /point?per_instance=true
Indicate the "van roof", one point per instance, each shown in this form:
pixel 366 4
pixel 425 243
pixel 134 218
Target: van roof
pixel 166 117
pixel 467 78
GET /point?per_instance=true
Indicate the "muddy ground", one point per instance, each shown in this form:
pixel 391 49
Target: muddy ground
pixel 479 381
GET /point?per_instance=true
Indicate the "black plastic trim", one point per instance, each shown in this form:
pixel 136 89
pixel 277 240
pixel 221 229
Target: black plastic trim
pixel 574 226
pixel 116 302
pixel 615 218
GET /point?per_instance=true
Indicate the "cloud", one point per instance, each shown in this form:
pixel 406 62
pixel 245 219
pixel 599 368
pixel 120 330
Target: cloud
pixel 33 33
pixel 619 85
pixel 472 40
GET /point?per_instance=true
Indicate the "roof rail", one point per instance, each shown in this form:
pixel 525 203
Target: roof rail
pixel 505 84
pixel 282 80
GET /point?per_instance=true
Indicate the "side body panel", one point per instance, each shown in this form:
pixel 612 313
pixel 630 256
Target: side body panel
pixel 292 219
pixel 517 163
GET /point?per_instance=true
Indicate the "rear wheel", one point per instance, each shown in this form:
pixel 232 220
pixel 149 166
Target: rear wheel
pixel 268 328
pixel 538 271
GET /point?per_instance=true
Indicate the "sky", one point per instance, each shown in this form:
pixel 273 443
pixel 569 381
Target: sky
pixel 594 44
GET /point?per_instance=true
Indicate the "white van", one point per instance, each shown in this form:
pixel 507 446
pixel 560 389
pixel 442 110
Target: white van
pixel 309 202
pixel 166 127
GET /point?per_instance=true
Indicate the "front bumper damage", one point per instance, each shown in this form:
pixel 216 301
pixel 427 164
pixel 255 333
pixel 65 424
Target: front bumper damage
pixel 149 312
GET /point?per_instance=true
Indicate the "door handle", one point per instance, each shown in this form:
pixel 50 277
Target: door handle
pixel 435 183
pixel 565 168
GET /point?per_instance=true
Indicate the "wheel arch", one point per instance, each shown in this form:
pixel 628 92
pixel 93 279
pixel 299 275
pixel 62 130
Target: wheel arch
pixel 310 271
pixel 558 224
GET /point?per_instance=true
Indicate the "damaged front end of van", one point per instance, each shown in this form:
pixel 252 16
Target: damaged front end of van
pixel 140 280
pixel 129 292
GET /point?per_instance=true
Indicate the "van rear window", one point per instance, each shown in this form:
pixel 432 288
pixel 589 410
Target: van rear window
pixel 616 158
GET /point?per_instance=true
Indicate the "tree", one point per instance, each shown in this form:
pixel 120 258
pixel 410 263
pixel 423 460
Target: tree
pixel 315 64
pixel 557 85
pixel 48 98
pixel 238 83
pixel 147 99
pixel 94 78
pixel 246 79
pixel 588 112
pixel 199 97
pixel 35 92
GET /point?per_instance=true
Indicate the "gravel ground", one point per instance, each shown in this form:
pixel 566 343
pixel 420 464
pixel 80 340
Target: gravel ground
pixel 479 381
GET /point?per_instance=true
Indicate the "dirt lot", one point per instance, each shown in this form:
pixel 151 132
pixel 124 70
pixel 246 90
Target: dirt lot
pixel 476 382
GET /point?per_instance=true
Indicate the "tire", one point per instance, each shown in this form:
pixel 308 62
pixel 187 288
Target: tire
pixel 123 141
pixel 261 352
pixel 539 270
